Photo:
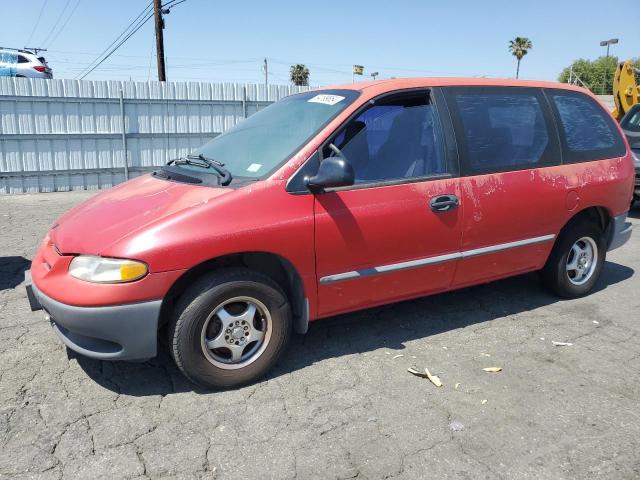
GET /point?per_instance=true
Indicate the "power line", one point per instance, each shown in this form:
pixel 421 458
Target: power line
pixel 44 4
pixel 207 61
pixel 61 29
pixel 135 21
pixel 133 27
pixel 173 3
pixel 57 22
pixel 138 27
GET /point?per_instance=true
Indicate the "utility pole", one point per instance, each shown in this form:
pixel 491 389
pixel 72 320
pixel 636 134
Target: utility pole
pixel 157 12
pixel 266 78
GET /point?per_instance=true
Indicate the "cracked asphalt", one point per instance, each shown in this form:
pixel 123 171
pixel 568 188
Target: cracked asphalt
pixel 341 403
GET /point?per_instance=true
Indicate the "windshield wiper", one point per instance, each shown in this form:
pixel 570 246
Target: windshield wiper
pixel 204 162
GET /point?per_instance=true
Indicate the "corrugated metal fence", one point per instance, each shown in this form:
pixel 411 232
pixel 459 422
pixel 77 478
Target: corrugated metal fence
pixel 58 135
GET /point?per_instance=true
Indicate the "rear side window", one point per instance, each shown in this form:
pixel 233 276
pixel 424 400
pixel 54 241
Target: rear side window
pixel 22 59
pixel 586 130
pixel 501 129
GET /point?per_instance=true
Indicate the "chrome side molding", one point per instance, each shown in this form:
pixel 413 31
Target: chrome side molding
pixel 421 262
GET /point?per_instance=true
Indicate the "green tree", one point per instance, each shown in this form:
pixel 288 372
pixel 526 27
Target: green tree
pixel 596 75
pixel 299 74
pixel 519 47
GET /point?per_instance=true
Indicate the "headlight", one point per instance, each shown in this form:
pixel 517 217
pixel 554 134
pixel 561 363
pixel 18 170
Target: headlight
pixel 106 270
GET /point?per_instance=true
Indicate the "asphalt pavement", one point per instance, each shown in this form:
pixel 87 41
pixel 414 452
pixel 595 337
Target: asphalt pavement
pixel 341 403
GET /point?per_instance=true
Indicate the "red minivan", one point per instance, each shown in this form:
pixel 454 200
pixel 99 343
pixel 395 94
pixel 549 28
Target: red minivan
pixel 332 201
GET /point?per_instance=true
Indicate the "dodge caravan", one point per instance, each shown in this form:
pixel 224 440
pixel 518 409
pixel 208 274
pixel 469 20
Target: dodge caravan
pixel 332 201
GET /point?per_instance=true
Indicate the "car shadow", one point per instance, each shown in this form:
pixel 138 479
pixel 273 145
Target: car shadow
pixel 12 271
pixel 390 326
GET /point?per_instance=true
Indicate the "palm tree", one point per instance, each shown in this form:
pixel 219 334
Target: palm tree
pixel 519 47
pixel 299 75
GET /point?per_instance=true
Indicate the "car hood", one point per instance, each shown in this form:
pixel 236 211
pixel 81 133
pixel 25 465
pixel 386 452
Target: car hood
pixel 94 225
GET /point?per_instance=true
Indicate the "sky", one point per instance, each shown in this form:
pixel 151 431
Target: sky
pixel 210 40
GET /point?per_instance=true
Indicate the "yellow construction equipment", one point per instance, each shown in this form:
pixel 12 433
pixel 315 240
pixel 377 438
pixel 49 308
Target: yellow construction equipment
pixel 626 91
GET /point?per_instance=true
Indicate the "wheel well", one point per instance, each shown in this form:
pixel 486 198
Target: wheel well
pixel 278 268
pixel 599 215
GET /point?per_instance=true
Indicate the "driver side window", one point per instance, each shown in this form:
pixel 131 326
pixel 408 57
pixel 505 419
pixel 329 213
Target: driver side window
pixel 398 137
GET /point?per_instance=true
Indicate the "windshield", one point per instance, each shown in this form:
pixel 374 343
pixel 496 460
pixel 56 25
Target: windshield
pixel 258 145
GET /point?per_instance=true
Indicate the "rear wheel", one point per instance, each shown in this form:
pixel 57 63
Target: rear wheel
pixel 229 328
pixel 576 260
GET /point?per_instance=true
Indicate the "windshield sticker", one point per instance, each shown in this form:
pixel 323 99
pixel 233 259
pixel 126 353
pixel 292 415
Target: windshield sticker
pixel 254 167
pixel 326 99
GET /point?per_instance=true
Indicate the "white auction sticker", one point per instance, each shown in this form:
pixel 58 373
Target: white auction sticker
pixel 254 167
pixel 326 99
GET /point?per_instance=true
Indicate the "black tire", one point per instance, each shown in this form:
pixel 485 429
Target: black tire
pixel 196 305
pixel 554 274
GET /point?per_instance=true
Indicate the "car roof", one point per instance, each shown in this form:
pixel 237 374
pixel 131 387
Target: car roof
pixel 24 53
pixel 378 87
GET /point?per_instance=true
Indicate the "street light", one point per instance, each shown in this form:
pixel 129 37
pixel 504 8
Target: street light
pixel 608 43
pixel 374 75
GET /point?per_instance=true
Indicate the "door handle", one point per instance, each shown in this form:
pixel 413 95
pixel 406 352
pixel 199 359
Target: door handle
pixel 444 203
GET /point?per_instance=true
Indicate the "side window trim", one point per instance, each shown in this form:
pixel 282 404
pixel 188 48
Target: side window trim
pixel 309 167
pixel 554 147
pixel 557 132
pixel 449 135
pixel 395 181
pixel 429 93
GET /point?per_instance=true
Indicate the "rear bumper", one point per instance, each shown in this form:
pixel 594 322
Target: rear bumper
pixel 619 232
pixel 118 332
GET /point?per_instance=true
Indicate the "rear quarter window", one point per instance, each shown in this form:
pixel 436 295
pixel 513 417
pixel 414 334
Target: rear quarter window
pixel 587 131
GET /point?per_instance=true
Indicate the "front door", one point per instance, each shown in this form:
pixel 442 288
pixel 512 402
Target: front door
pixel 396 233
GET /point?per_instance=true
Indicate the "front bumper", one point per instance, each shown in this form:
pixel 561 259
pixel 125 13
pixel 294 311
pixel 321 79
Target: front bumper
pixel 118 332
pixel 619 232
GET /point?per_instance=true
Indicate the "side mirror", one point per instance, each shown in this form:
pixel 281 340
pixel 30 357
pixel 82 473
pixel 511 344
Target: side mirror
pixel 333 172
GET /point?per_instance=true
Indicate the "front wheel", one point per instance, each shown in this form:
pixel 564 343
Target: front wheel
pixel 229 328
pixel 576 260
